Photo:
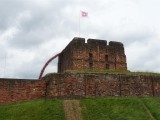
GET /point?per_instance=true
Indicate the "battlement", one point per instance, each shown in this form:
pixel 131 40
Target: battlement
pixel 114 43
pixel 77 40
pixel 96 41
pixel 95 54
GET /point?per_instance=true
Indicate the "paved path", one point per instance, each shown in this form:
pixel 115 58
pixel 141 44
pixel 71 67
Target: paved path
pixel 72 110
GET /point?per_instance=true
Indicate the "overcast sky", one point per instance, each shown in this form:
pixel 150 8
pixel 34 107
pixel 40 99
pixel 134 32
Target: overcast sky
pixel 32 31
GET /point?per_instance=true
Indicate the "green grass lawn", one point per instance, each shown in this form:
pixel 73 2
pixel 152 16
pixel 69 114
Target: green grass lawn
pixel 153 104
pixel 121 108
pixel 102 108
pixel 33 110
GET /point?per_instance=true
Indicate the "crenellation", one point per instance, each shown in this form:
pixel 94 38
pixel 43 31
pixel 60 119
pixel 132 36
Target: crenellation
pixel 95 54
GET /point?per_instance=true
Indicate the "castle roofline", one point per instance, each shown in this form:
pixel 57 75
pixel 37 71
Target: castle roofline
pixel 115 43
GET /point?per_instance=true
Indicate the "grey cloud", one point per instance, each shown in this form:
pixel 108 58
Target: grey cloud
pixel 41 26
pixel 33 31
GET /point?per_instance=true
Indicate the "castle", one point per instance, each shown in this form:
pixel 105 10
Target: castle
pixel 93 55
pixel 78 55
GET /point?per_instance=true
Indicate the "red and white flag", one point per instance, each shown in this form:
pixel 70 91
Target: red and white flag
pixel 84 14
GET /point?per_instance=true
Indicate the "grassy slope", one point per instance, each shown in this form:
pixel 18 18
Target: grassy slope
pixel 33 110
pixel 107 108
pixel 153 104
pixel 120 108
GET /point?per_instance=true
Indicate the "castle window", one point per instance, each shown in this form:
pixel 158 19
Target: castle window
pixel 106 58
pixel 90 57
pixel 91 66
pixel 107 66
pixel 90 61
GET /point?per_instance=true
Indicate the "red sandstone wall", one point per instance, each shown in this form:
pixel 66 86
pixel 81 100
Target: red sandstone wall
pixel 78 85
pixel 74 84
pixel 13 90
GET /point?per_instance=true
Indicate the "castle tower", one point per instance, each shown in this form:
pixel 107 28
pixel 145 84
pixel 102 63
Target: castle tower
pixel 94 55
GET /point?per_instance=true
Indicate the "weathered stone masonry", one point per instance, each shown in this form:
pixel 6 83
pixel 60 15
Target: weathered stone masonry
pixel 95 54
pixel 99 84
pixel 14 90
pixel 78 85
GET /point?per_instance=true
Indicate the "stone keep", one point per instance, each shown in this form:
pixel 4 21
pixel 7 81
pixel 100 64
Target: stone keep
pixel 93 55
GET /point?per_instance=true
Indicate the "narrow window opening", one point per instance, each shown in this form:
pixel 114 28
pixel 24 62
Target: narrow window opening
pixel 91 66
pixel 90 61
pixel 90 57
pixel 106 58
pixel 107 66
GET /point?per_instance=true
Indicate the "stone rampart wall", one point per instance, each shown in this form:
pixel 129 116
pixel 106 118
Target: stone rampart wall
pixel 72 85
pixel 14 90
pixel 69 85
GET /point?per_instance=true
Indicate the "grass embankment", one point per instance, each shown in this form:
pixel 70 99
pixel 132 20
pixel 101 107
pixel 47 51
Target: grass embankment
pixel 107 108
pixel 33 110
pixel 112 72
pixel 121 108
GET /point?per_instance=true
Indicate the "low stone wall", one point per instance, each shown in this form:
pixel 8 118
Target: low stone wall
pixel 13 90
pixel 97 84
pixel 63 85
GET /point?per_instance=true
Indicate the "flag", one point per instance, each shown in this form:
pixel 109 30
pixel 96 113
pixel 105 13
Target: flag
pixel 84 14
